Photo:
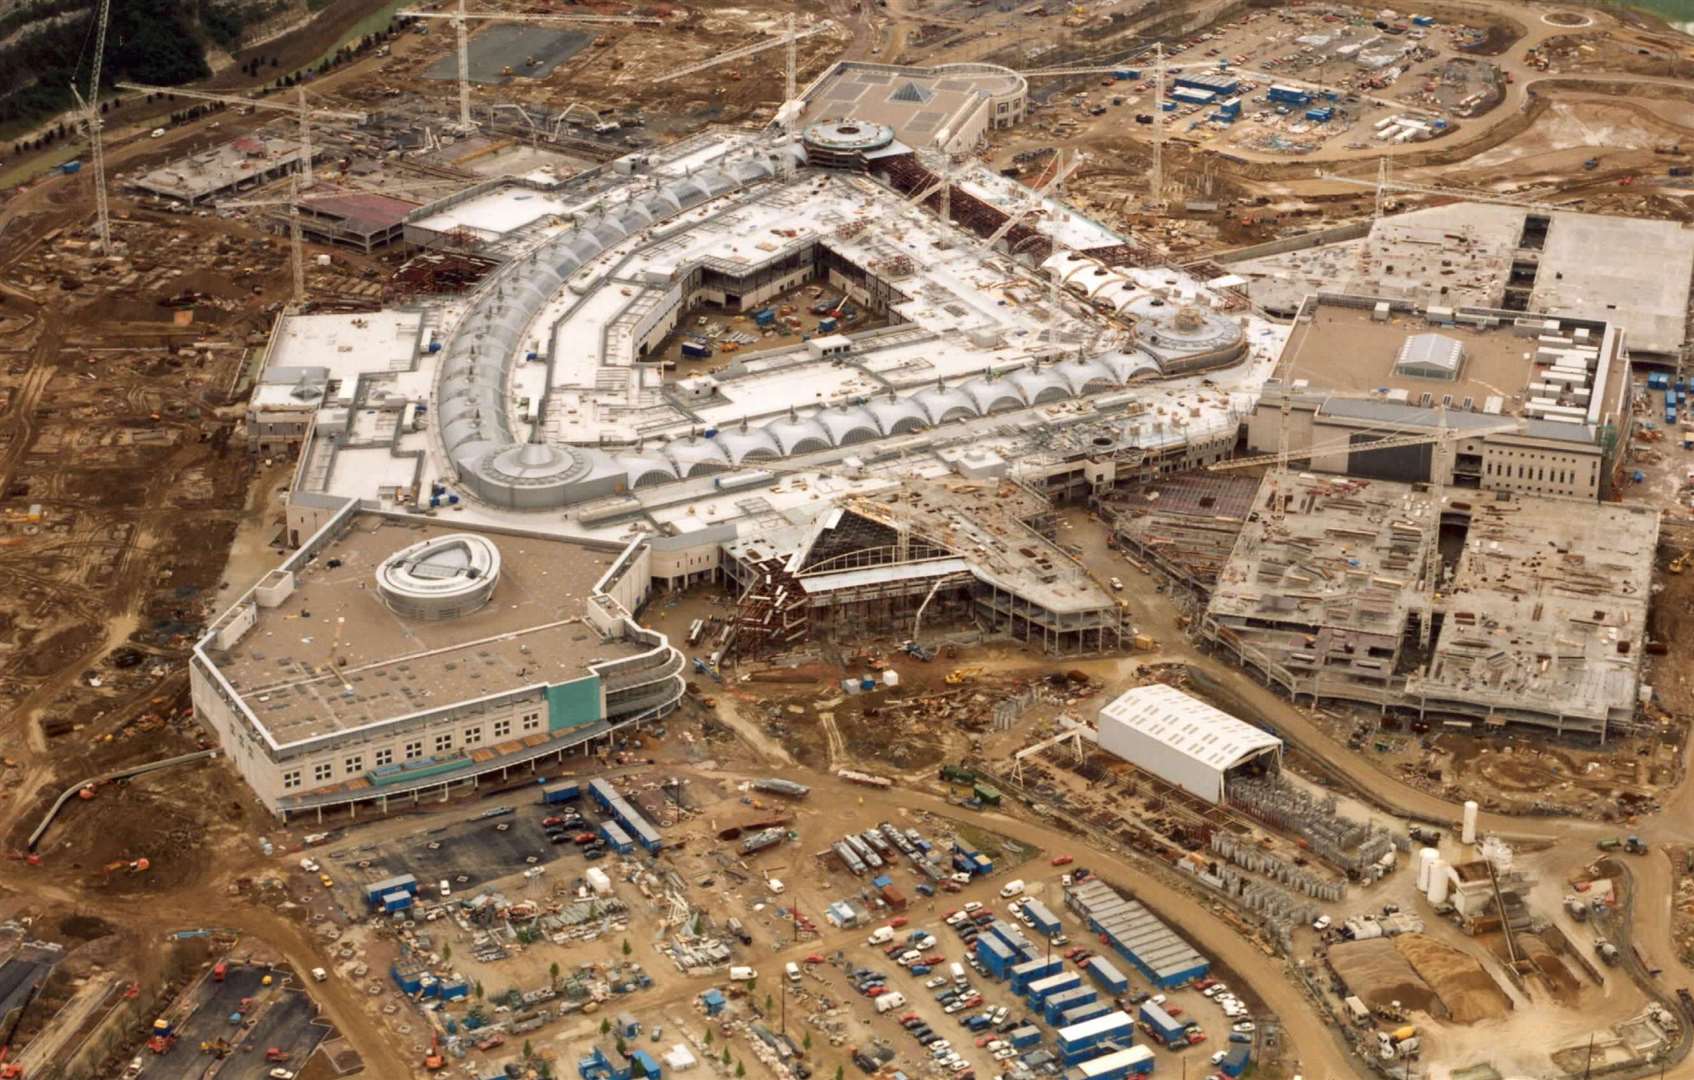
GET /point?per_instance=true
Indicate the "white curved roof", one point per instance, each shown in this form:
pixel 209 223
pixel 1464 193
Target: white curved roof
pixel 938 404
pixel 990 395
pixel 754 443
pixel 1181 738
pixel 800 436
pixel 849 424
pixel 1040 386
pixel 898 416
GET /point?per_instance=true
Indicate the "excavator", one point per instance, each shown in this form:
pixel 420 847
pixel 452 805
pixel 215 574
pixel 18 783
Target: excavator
pixel 1677 563
pixel 434 1061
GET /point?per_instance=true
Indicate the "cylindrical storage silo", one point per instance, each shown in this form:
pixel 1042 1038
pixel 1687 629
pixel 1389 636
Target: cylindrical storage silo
pixel 1437 891
pixel 1426 859
pixel 1468 832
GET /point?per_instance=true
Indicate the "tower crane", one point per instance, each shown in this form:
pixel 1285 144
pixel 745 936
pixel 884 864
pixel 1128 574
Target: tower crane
pixel 790 37
pixel 461 17
pixel 1383 185
pixel 1440 436
pixel 91 119
pixel 1034 200
pixel 300 108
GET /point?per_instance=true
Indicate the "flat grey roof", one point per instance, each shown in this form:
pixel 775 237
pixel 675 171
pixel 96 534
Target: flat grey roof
pixel 1462 254
pixel 333 657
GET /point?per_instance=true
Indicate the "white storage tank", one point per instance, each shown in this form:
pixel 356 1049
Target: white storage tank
pixel 1427 858
pixel 1467 832
pixel 1438 884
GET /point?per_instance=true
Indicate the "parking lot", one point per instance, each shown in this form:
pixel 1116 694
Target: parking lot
pixel 466 853
pixel 281 1016
pixel 965 1024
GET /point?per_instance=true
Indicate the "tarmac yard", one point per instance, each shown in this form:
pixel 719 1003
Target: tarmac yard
pixel 279 1017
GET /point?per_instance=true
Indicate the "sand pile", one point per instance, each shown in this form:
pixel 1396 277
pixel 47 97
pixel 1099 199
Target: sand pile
pixel 1380 976
pixel 1467 990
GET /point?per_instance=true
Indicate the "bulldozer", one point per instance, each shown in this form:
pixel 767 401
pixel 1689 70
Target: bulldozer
pixel 964 674
pixel 218 1048
pixel 1676 564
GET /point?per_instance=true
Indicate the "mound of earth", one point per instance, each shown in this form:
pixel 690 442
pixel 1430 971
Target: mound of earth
pixel 1465 988
pixel 1380 976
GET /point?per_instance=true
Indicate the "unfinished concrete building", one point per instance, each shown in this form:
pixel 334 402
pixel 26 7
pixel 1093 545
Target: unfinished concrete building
pixel 1493 608
pixel 923 553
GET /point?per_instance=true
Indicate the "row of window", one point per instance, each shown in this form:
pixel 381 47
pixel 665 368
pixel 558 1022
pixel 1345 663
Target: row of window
pixel 1535 473
pixel 354 764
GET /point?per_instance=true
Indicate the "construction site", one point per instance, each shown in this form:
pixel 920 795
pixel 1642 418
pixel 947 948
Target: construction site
pixel 963 540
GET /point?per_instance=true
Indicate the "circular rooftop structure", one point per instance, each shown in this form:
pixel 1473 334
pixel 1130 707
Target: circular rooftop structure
pixel 440 578
pixel 848 136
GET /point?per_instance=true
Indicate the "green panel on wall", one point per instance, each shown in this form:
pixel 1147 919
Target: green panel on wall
pixel 573 704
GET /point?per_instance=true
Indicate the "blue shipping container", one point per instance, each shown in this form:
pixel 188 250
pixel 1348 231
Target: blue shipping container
pixel 1106 975
pixel 1028 1035
pixel 1161 1024
pixel 561 792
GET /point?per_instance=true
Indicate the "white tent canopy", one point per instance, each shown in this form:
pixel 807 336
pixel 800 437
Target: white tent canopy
pixel 1181 739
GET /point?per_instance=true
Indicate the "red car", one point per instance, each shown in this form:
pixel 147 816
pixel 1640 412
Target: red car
pixel 549 822
pixel 1195 1035
pixel 951 886
pixel 1062 860
pixel 908 1018
pixel 973 1001
pixel 1173 1010
pixel 583 838
pixel 1071 954
pixel 934 958
pixel 898 921
pixel 1204 984
pixel 984 1040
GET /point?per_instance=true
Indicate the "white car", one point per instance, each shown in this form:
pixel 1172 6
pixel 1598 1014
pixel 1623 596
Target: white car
pixel 1157 999
pixel 938 980
pixel 997 1045
pixel 1117 585
pixel 1244 1028
pixel 1000 1014
pixel 1322 923
pixel 960 1065
pixel 1004 1053
pixel 939 1047
pixel 309 865
pixel 953 1008
pixel 956 918
pixel 1015 907
pixel 1217 1058
pixel 926 942
pixel 973 907
pixel 446 887
pixel 961 878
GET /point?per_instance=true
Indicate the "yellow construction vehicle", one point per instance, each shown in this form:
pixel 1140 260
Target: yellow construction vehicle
pixel 959 675
pixel 1675 566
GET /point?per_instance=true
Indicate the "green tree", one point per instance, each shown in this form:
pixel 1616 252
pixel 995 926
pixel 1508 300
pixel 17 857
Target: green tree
pixel 528 1049
pixel 606 1026
pixel 840 1072
pixel 446 953
pixel 769 1002
pixel 806 1043
pixel 478 989
pixel 553 972
pixel 708 1036
pixel 727 1056
pixel 740 1069
pixel 627 948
